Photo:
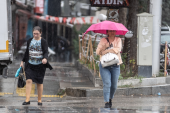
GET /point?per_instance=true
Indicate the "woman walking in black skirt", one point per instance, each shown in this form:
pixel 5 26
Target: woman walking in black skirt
pixel 35 59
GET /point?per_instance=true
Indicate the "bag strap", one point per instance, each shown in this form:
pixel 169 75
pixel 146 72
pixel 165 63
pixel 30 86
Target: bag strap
pixel 23 72
pixel 108 41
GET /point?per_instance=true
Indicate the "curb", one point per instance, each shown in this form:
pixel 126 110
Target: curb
pixel 98 92
pixel 97 82
pixel 145 86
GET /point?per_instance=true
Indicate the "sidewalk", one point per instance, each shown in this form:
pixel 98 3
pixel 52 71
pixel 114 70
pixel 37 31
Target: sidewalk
pixel 79 81
pixel 145 86
pixel 121 104
pixel 69 76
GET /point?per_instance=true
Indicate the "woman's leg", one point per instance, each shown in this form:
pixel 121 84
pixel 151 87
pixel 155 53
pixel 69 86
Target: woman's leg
pixel 106 78
pixel 28 89
pixel 40 91
pixel 115 72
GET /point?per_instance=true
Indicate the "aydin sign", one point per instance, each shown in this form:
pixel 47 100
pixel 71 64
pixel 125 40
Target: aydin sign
pixel 109 3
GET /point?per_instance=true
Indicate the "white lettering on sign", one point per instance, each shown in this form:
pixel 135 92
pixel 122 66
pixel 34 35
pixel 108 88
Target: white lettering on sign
pixel 109 1
pixel 114 2
pixel 97 2
pixel 103 1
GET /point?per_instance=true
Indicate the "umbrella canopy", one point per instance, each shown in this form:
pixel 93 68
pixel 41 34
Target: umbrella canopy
pixel 102 28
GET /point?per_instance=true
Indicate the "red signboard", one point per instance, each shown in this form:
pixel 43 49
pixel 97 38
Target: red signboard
pixel 39 6
pixel 109 3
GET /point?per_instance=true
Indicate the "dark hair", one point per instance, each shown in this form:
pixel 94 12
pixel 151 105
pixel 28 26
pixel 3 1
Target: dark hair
pixel 37 28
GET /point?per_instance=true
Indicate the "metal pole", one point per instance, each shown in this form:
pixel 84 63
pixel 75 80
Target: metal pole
pixel 66 8
pixel 156 10
pixel 53 36
pixel 128 55
pixel 79 49
pixel 46 31
pixel 45 7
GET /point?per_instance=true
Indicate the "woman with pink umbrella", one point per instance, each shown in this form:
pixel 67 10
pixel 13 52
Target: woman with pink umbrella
pixel 109 74
pixel 111 44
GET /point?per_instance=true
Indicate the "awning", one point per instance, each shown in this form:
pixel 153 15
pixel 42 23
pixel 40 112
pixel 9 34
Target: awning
pixel 66 21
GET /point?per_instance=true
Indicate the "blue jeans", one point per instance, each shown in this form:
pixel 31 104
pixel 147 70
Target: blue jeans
pixel 110 76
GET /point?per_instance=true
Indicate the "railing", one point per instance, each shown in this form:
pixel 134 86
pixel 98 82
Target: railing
pixel 166 58
pixel 87 54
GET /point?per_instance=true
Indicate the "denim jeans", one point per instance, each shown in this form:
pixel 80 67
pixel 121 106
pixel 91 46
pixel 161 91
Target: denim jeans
pixel 110 76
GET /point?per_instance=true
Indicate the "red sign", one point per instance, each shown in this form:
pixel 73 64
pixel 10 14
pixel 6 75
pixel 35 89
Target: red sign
pixel 39 6
pixel 109 3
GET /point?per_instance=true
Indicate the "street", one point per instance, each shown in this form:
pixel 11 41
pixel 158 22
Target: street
pixel 12 104
pixel 11 97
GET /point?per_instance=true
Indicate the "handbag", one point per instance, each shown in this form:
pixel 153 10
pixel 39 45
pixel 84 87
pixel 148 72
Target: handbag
pixel 21 79
pixel 109 58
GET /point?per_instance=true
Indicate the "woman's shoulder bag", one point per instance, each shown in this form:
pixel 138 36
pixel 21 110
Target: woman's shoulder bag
pixel 109 58
pixel 21 79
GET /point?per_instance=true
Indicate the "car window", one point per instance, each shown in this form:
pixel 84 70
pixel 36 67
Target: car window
pixel 165 38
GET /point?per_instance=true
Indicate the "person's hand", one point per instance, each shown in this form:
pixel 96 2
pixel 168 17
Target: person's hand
pixel 104 52
pixel 22 64
pixel 111 51
pixel 44 61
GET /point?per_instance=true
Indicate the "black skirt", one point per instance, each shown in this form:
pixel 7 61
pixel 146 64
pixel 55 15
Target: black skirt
pixel 35 73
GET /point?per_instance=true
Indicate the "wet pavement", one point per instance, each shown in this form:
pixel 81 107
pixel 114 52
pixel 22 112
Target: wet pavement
pixel 121 104
pixel 65 75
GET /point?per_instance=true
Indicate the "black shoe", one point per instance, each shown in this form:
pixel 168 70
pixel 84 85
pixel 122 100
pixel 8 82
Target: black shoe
pixel 110 102
pixel 107 105
pixel 40 103
pixel 26 103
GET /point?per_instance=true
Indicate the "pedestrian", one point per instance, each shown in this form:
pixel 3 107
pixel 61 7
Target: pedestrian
pixel 36 62
pixel 67 51
pixel 109 74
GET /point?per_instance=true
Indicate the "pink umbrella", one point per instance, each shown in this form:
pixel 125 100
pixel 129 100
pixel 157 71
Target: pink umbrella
pixel 102 28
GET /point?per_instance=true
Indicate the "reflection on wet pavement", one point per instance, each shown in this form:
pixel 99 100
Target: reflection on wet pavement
pixel 66 76
pixel 33 109
pixel 29 109
pixel 87 105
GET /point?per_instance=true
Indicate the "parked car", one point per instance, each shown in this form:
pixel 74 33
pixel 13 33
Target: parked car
pixel 165 28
